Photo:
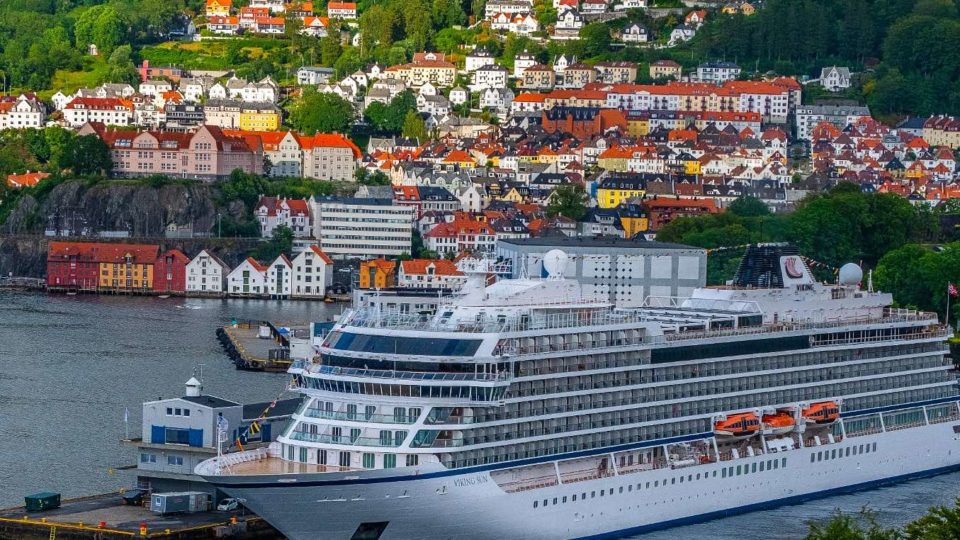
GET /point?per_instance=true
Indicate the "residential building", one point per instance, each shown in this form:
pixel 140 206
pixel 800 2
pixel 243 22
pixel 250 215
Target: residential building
pixel 516 7
pixel 835 78
pixel 662 69
pixel 681 33
pixel 489 76
pixel 279 277
pixel 226 25
pixel 22 111
pixel 101 266
pixel 377 274
pixel 942 131
pixel 308 75
pixel 218 8
pixel 259 116
pixel 249 16
pixel 315 26
pixel 312 273
pixel 204 154
pixel 663 210
pixel 329 156
pixel 624 5
pixel 247 279
pixel 355 228
pixel 616 72
pixel 717 72
pixel 342 10
pixel 27 179
pixel 183 116
pixel 73 265
pixel 272 212
pixel 430 274
pixel 170 272
pixel 621 271
pixel 538 77
pixel 633 32
pixel 223 113
pixel 478 58
pixel 206 273
pixel 426 67
pixel 616 188
pixel 577 76
pixel 270 25
pixel 521 62
pixel 460 236
pixel 108 111
pixel 840 115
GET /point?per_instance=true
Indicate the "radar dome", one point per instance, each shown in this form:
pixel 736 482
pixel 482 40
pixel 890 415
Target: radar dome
pixel 850 274
pixel 555 262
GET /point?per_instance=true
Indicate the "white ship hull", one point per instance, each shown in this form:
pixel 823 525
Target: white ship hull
pixel 471 505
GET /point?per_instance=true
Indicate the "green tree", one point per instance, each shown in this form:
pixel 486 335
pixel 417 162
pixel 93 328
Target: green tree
pixel 108 30
pixel 326 113
pixel 568 200
pixel 390 118
pixel 87 154
pixel 841 526
pixel 596 39
pixel 940 522
pixel 748 206
pixel 330 49
pixel 414 126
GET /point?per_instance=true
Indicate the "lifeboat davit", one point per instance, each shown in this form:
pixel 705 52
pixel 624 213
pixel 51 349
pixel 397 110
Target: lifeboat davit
pixel 737 426
pixel 822 413
pixel 778 423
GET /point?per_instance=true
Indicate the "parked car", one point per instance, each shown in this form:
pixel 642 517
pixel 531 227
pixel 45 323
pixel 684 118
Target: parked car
pixel 229 504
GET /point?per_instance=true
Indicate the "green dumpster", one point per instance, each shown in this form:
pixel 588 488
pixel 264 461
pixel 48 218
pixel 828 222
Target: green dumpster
pixel 42 501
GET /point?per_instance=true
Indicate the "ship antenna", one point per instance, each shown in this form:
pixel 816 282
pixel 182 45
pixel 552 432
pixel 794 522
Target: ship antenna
pixel 870 280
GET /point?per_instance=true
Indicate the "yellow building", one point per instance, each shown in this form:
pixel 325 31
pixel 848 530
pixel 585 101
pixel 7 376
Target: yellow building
pixel 218 8
pixel 614 159
pixel 512 196
pixel 634 224
pixel 378 274
pixel 126 267
pixel 259 119
pixel 691 166
pixel 620 188
pixel 638 125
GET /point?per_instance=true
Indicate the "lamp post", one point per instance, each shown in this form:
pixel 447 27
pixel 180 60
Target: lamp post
pixel 218 225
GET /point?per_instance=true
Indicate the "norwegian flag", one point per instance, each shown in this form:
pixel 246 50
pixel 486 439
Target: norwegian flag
pixel 952 290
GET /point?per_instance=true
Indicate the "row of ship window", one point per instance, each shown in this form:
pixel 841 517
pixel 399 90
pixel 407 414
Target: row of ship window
pixel 731 471
pixel 824 455
pixel 344 458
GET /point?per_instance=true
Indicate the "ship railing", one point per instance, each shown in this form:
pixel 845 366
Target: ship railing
pixel 359 416
pixel 500 377
pixel 581 345
pixel 533 320
pixel 795 326
pixel 344 439
pixel 528 484
pixel 923 334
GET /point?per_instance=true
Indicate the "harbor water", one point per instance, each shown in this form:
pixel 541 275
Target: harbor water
pixel 71 365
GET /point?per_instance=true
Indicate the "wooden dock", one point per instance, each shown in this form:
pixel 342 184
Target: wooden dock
pixel 247 350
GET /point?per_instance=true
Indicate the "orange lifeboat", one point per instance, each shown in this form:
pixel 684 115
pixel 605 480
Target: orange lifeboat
pixel 778 423
pixel 824 412
pixel 737 426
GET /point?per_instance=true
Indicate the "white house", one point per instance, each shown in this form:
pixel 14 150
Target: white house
pixel 569 23
pixel 562 61
pixel 478 58
pixel 430 273
pixel 312 273
pixel 498 99
pixel 834 78
pixel 490 76
pixel 521 62
pixel 681 33
pixel 459 96
pixel 470 198
pixel 206 274
pixel 279 277
pixel 155 87
pixel 247 279
pixel 634 33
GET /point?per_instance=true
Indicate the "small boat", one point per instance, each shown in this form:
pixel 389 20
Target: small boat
pixel 164 296
pixel 822 413
pixel 779 423
pixel 328 300
pixel 71 293
pixel 737 426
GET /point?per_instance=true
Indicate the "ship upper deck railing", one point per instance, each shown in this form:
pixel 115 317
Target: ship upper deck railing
pixel 320 369
pixel 890 315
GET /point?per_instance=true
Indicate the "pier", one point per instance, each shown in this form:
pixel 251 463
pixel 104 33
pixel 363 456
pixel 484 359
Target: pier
pixel 105 517
pixel 244 345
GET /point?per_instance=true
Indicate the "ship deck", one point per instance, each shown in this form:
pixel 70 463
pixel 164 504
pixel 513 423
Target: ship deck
pixel 276 465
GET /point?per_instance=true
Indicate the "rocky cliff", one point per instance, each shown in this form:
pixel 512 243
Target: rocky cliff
pixel 134 208
pixel 136 211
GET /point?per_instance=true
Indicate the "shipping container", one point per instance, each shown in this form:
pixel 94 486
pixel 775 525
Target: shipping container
pixel 186 502
pixel 42 501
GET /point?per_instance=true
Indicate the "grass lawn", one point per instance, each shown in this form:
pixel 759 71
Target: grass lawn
pixel 94 73
pixel 208 54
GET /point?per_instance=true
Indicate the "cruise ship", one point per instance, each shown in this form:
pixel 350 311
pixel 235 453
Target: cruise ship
pixel 525 409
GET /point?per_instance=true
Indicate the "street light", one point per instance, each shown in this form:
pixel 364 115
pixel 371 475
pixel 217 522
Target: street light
pixel 218 224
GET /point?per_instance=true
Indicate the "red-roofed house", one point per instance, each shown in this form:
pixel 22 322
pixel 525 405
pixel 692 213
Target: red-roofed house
pixel 315 26
pixel 430 273
pixel 101 266
pixel 249 278
pixel 460 236
pixel 272 212
pixel 27 179
pixel 342 10
pixel 107 111
pixel 218 8
pixel 312 273
pixel 663 210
